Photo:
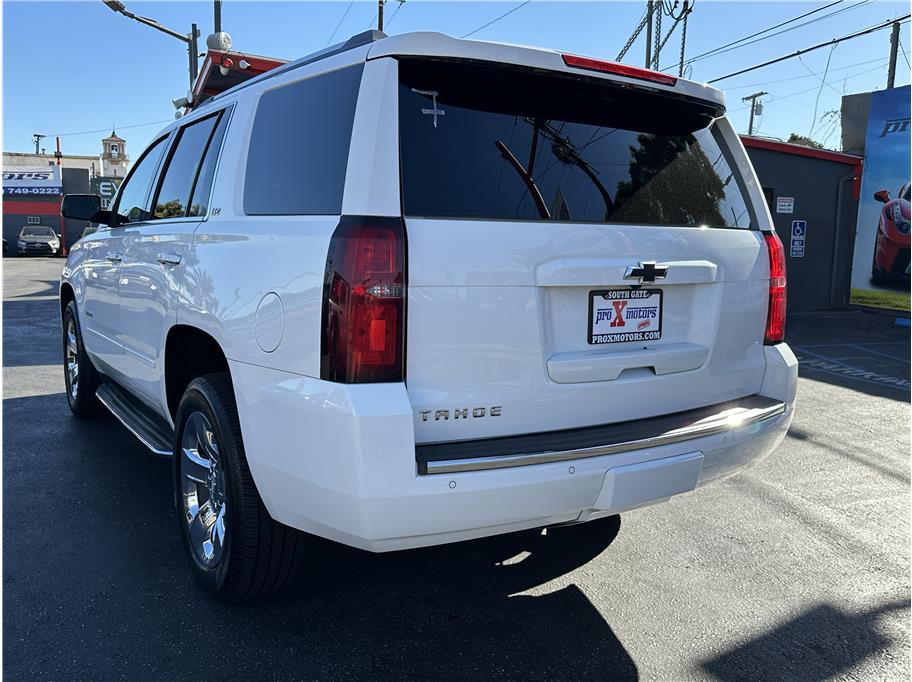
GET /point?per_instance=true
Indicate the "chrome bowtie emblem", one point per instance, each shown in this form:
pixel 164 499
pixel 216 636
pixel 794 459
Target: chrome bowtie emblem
pixel 646 271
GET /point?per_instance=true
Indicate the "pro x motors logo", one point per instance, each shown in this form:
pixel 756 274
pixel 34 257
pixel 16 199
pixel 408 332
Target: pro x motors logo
pixel 618 315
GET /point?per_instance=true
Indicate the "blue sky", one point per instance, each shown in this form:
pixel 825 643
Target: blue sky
pixel 70 67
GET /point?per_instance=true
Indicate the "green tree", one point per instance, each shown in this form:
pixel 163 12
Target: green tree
pixel 804 140
pixel 672 182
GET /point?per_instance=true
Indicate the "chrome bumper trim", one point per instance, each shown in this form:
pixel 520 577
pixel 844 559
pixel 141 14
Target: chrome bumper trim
pixel 718 423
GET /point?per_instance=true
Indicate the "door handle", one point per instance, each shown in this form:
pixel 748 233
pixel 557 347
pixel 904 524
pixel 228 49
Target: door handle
pixel 169 258
pixel 114 256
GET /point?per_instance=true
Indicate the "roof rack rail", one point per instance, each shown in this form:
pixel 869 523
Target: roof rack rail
pixel 358 40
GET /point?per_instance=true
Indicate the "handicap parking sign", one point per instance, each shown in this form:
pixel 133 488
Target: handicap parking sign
pixel 799 232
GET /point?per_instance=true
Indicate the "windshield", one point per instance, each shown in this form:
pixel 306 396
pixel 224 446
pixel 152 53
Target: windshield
pixel 37 232
pixel 481 143
pixel 906 191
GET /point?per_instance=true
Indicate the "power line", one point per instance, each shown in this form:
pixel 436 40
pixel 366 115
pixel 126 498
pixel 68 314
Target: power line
pixel 820 90
pixel 822 80
pixel 344 14
pixel 753 35
pixel 395 12
pixel 903 50
pixel 834 41
pixel 881 60
pixel 494 21
pixel 791 28
pixel 104 130
pixel 803 92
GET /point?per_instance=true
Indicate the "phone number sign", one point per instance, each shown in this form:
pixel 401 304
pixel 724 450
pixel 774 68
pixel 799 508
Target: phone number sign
pixel 32 180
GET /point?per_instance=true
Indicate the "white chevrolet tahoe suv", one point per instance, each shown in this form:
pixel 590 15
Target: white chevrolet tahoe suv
pixel 414 290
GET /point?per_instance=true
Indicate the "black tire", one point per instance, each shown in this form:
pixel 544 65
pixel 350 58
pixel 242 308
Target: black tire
pixel 258 555
pixel 82 399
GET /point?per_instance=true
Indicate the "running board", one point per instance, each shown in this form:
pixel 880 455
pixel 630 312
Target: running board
pixel 151 430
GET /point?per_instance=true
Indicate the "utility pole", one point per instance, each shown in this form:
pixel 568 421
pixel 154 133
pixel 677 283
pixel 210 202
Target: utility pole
pixel 756 107
pixel 193 53
pixel 38 137
pixel 894 45
pixel 649 12
pixel 380 14
pixel 63 243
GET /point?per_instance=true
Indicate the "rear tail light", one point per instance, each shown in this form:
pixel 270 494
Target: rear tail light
pixel 618 69
pixel 775 319
pixel 363 337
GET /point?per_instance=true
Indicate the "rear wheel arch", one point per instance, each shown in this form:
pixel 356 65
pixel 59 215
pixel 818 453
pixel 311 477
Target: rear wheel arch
pixel 189 353
pixel 66 295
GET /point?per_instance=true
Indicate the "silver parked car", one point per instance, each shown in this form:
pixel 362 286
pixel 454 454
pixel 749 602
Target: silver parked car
pixel 38 239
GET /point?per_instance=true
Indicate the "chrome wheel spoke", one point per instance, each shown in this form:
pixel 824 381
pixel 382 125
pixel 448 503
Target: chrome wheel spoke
pixel 216 540
pixel 209 446
pixel 193 466
pixel 200 530
pixel 203 486
pixel 72 359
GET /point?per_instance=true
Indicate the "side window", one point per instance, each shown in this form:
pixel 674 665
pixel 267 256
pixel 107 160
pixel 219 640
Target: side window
pixel 199 202
pixel 183 167
pixel 133 198
pixel 299 146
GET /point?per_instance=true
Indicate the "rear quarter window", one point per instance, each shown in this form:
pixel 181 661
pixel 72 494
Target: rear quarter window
pixel 299 146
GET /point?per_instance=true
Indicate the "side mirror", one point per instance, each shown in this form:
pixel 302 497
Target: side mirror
pixel 85 207
pixel 883 196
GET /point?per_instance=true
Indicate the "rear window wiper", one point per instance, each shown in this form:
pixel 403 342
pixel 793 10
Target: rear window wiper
pixel 526 178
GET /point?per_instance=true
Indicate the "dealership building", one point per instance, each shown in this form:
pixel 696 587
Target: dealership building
pixel 33 185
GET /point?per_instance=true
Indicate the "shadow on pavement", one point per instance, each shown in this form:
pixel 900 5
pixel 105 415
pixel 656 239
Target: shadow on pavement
pixel 453 611
pixel 92 546
pixel 31 332
pixel 822 643
pixel 853 454
pixel 42 289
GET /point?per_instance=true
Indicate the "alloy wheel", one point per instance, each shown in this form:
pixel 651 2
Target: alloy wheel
pixel 203 490
pixel 72 360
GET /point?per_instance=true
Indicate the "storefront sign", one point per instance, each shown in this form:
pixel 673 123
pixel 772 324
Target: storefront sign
pixel 105 188
pixel 31 181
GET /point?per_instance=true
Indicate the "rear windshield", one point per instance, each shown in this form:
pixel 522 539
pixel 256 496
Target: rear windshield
pixel 487 142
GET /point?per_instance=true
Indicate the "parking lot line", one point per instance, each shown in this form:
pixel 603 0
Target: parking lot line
pixel 862 347
pixel 837 367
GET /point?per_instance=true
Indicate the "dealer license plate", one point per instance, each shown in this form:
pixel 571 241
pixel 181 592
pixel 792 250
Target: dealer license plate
pixel 620 315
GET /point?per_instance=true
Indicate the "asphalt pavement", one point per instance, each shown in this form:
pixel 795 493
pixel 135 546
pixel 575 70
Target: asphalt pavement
pixel 796 569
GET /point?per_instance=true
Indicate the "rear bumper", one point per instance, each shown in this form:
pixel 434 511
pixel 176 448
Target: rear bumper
pixel 339 461
pixel 613 439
